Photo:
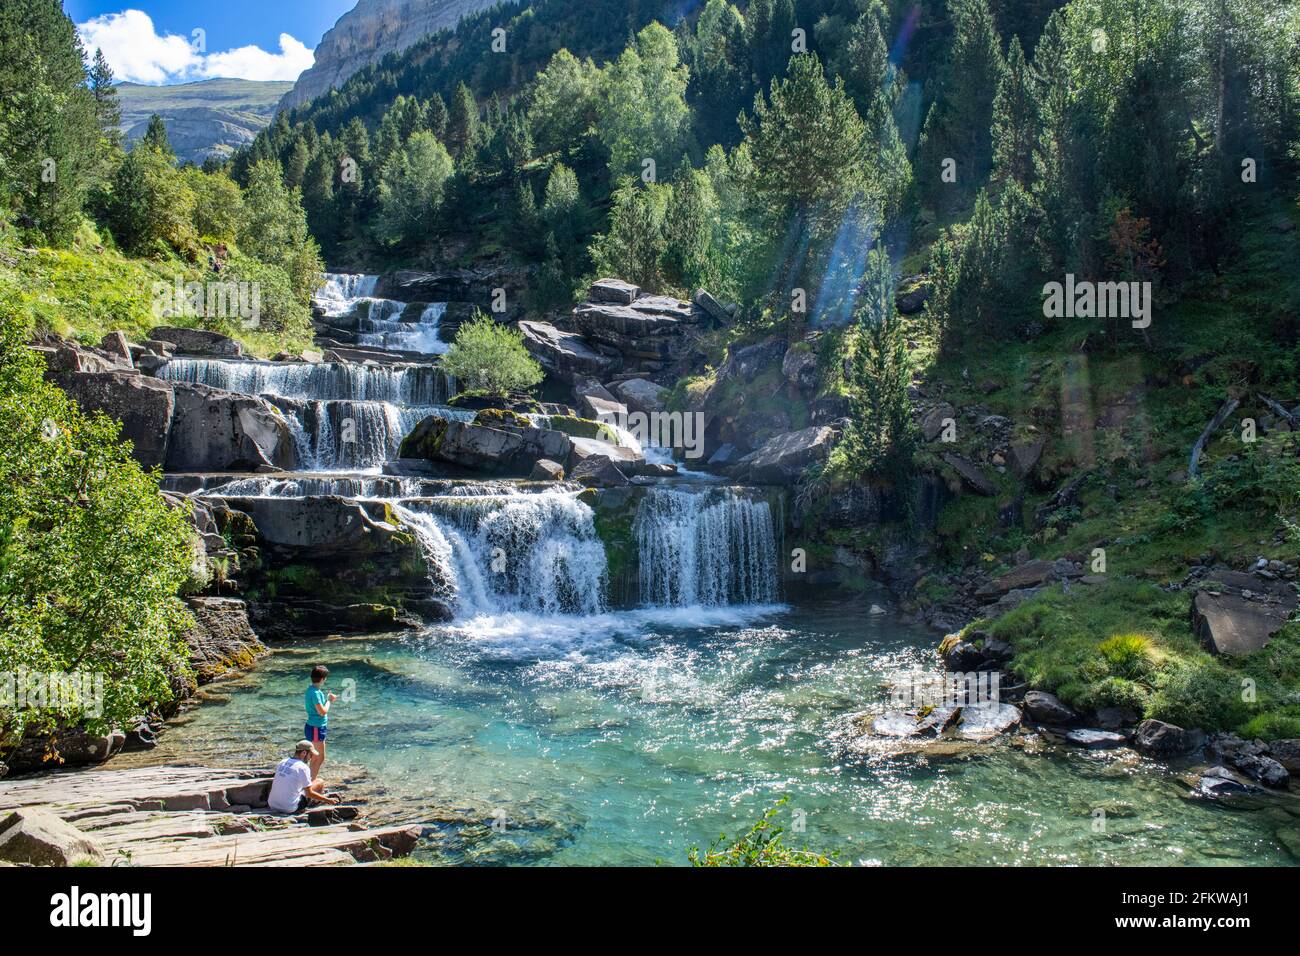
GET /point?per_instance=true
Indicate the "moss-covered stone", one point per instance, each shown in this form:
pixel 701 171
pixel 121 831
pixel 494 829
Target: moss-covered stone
pixel 425 439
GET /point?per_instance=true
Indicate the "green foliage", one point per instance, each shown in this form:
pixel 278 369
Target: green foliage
pixel 1127 655
pixel 644 113
pixel 412 186
pixel 633 247
pixel 565 102
pixel 49 129
pixel 883 436
pixel 762 845
pixel 151 208
pixel 91 558
pixel 490 358
pixel 275 229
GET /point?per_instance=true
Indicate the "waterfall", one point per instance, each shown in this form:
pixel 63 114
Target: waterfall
pixel 334 435
pixel 497 554
pixel 339 294
pixel 711 547
pixel 381 330
pixel 400 384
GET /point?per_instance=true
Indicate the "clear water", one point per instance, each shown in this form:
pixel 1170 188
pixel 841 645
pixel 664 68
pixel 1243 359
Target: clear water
pixel 626 738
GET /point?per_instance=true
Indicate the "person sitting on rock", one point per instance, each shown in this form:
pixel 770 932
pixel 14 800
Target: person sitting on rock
pixel 318 715
pixel 294 788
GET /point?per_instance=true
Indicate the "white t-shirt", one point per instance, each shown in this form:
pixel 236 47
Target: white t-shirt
pixel 292 777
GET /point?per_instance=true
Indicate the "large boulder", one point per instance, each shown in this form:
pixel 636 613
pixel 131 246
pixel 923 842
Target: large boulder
pixel 496 442
pixel 64 358
pixel 598 471
pixel 547 470
pixel 1236 613
pixel 1286 753
pixel 215 430
pixel 640 395
pixel 319 527
pixel 970 475
pixel 35 836
pixel 143 405
pixel 615 291
pixel 1030 574
pixel 1047 708
pixel 198 342
pixel 1159 739
pixel 565 354
pixel 616 324
pixel 601 410
pixel 781 459
pixel 220 639
pixel 583 448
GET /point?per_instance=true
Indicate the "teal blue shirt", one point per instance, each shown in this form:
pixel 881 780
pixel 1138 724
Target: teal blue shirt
pixel 313 697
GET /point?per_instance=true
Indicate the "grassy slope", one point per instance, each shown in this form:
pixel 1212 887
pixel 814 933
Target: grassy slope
pixel 83 292
pixel 1229 333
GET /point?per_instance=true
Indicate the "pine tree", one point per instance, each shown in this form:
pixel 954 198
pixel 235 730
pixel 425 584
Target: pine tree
pixel 957 127
pixel 883 435
pixel 108 112
pixel 155 137
pixel 48 126
pixel 462 124
pixel 1016 123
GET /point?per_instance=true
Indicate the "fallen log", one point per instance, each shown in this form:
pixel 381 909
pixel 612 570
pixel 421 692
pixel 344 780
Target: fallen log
pixel 1219 418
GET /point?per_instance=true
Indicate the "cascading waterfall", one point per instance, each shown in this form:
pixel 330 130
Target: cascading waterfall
pixel 497 554
pixel 709 548
pixel 381 330
pixel 399 384
pixel 380 322
pixel 335 435
pixel 340 292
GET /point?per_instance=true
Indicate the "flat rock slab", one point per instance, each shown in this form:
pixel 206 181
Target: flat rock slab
pixel 1228 623
pixel 1095 739
pixel 197 816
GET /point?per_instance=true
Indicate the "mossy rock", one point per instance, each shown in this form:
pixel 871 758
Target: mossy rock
pixel 501 418
pixel 425 439
pixel 583 428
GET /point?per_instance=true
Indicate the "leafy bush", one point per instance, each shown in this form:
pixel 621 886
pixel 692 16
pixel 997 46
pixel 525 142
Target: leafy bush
pixel 490 359
pixel 762 846
pixel 91 557
pixel 1199 692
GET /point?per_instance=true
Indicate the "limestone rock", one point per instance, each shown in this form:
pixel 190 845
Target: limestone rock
pixel 932 423
pixel 1031 574
pixel 370 31
pixel 221 639
pixel 34 835
pixel 598 471
pixel 198 342
pixel 1047 708
pixel 145 407
pixel 215 430
pixel 1159 739
pixel 1243 614
pixel 1095 739
pixel 971 476
pixel 640 395
pixel 614 291
pixel 547 470
pixel 782 459
pixel 564 354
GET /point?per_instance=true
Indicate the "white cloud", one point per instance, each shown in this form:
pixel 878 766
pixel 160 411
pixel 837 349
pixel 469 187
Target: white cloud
pixel 137 52
pixel 254 63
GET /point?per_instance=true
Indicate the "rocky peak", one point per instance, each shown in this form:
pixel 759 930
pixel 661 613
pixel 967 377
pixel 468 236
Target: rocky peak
pixel 369 32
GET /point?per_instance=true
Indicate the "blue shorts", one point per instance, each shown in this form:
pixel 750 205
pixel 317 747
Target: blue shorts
pixel 314 734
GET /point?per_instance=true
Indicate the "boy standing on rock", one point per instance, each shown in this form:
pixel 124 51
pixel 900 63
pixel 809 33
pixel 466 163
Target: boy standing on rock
pixel 318 712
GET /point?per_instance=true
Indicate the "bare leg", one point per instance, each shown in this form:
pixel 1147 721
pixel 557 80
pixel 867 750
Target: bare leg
pixel 318 760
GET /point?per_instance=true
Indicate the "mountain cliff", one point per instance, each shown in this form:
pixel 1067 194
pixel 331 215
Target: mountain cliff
pixel 368 32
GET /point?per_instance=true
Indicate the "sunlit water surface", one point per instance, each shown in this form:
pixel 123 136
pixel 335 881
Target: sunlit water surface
pixel 630 737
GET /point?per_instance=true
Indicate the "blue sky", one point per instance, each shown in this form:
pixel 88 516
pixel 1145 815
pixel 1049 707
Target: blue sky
pixel 153 41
